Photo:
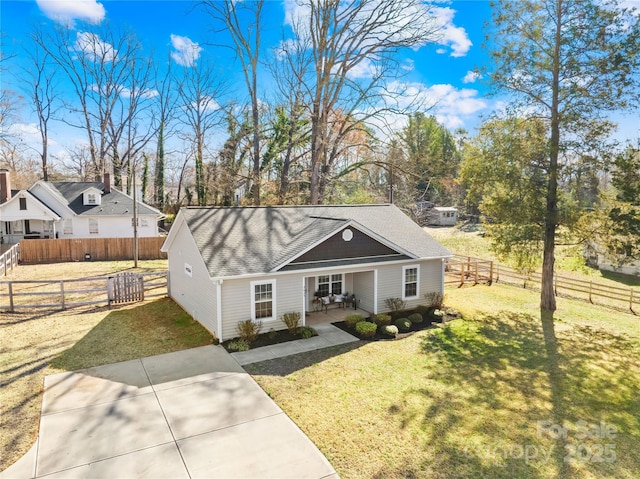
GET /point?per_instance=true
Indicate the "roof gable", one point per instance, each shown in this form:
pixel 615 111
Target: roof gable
pixel 350 242
pixel 258 240
pixel 11 210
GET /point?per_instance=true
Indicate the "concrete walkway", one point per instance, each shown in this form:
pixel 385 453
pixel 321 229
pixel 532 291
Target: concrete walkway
pixel 328 335
pixel 188 414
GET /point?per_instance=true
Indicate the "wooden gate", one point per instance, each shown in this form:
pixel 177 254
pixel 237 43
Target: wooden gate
pixel 125 288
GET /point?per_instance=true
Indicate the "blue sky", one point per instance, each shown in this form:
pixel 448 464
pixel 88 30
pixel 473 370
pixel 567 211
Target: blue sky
pixel 440 72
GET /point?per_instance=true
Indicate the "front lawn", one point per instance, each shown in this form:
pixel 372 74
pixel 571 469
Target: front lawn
pixel 481 397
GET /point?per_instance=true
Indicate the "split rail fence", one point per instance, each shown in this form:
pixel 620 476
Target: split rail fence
pixel 9 259
pixel 64 294
pixel 461 270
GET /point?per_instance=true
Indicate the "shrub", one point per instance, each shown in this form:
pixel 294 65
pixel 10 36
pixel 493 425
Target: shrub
pixel 423 310
pixel 415 318
pixel 395 304
pixel 403 324
pixel 306 332
pixel 366 329
pixel 292 320
pixel 435 299
pixel 389 330
pixel 381 319
pixel 238 345
pixel 249 330
pixel 438 315
pixel 353 319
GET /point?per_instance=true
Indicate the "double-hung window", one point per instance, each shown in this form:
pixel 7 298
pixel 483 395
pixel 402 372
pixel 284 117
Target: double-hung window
pixel 329 284
pixel 93 226
pixel 263 299
pixel 410 281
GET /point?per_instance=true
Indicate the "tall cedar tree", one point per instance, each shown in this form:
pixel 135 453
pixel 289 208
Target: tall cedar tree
pixel 567 62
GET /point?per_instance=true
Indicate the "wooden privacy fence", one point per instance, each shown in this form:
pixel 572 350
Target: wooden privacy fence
pixel 63 294
pixel 461 270
pixel 9 259
pixel 85 249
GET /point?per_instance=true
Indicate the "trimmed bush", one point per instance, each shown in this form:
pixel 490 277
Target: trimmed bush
pixel 306 332
pixel 353 319
pixel 389 330
pixel 292 320
pixel 381 319
pixel 415 318
pixel 249 330
pixel 438 315
pixel 366 329
pixel 238 345
pixel 423 310
pixel 403 324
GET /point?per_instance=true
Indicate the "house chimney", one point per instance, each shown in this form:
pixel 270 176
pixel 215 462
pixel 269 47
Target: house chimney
pixel 107 183
pixel 5 185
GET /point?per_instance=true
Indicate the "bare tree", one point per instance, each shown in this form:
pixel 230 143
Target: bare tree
pixel 40 81
pixel 353 53
pixel 197 91
pixel 102 69
pixel 246 45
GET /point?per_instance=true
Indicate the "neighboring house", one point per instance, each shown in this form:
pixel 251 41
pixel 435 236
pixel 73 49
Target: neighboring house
pixel 443 216
pixel 70 210
pixel 596 257
pixel 232 264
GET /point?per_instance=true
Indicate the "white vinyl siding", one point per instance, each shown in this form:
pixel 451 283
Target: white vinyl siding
pixel 196 294
pixel 390 282
pixel 363 284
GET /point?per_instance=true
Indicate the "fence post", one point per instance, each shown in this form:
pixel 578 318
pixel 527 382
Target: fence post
pixel 461 275
pixel 631 300
pixel 490 273
pixel 590 289
pixel 62 293
pixel 476 282
pixel 11 297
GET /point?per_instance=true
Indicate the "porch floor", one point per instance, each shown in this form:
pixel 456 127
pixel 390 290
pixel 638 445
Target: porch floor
pixel 333 315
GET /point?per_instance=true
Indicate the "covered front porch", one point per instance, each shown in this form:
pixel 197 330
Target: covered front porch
pixel 330 298
pixel 13 232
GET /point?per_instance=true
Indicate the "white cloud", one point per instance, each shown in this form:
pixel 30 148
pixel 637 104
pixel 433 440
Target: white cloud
pixel 450 105
pixel 94 48
pixel 67 11
pixel 207 103
pixel 471 77
pixel 451 36
pixel 186 51
pixel 408 65
pixel 26 131
pixel 148 93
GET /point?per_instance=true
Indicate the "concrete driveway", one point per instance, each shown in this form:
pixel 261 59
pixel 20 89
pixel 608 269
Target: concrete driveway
pixel 188 414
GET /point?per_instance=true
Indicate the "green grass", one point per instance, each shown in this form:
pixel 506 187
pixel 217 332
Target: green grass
pixel 465 399
pixel 152 328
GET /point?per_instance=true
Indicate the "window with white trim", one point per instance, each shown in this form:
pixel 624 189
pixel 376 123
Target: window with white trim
pixel 329 284
pixel 18 227
pixel 263 299
pixel 68 226
pixel 93 226
pixel 91 199
pixel 410 281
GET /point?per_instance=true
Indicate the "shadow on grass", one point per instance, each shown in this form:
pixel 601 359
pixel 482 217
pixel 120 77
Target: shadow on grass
pixel 152 328
pixel 626 279
pixel 506 383
pixel 290 364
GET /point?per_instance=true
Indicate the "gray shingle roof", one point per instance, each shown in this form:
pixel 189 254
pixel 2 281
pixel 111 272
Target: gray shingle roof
pixel 113 203
pixel 252 240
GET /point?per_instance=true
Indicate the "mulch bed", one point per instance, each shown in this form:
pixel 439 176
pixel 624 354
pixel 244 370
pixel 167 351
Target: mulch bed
pixel 267 339
pixel 415 327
